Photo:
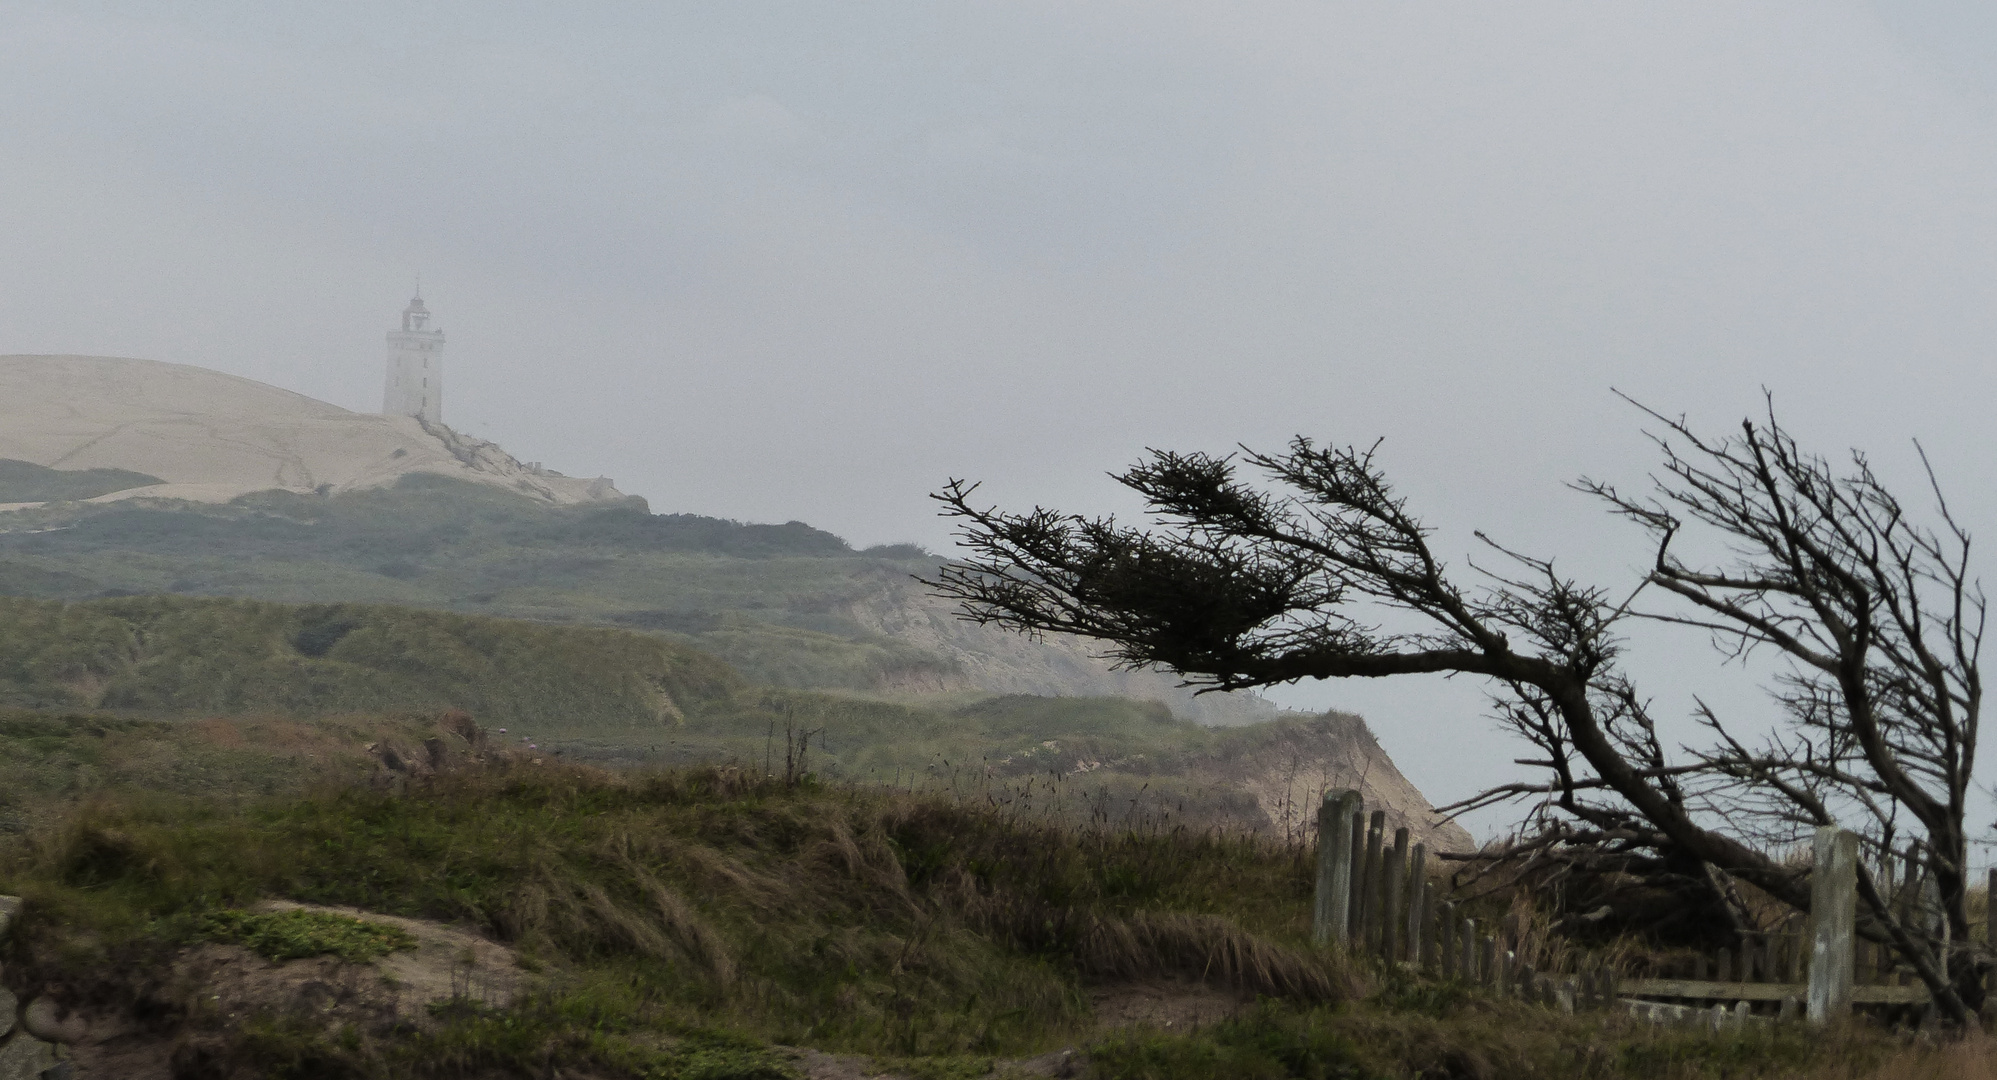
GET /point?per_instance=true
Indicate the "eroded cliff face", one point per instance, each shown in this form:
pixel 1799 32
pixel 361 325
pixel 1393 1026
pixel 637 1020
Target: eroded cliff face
pixel 1003 662
pixel 1289 773
pixel 1286 774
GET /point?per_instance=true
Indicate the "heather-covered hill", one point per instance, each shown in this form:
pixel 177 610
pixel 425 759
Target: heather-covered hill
pixel 787 605
pixel 82 674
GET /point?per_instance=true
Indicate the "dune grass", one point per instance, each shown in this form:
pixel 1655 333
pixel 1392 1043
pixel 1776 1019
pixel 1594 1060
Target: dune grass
pixel 708 899
pixel 691 922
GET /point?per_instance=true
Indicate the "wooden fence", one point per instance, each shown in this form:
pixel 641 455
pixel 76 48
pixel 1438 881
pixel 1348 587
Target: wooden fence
pixel 1374 898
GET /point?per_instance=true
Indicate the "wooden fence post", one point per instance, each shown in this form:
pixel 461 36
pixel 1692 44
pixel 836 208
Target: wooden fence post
pixel 1445 938
pixel 1467 940
pixel 1394 898
pixel 1369 889
pixel 1834 911
pixel 1424 922
pixel 1990 924
pixel 1417 903
pixel 1932 923
pixel 1355 935
pixel 1331 922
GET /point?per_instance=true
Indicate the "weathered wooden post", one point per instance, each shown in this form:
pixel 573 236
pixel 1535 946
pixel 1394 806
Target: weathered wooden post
pixel 1445 938
pixel 1424 922
pixel 1417 903
pixel 1394 898
pixel 1990 923
pixel 1331 920
pixel 1468 940
pixel 1883 961
pixel 1834 911
pixel 1934 926
pixel 1357 905
pixel 1369 888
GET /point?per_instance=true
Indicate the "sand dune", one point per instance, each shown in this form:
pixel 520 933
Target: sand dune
pixel 213 437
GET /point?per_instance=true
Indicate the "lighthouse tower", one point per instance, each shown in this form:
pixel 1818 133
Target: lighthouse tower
pixel 415 367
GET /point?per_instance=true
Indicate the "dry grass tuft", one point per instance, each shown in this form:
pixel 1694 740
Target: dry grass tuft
pixel 1972 1058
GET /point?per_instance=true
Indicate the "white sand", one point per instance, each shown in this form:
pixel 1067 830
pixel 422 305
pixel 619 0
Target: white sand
pixel 213 437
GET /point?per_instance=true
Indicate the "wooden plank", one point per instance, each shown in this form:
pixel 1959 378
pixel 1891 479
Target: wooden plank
pixel 1834 909
pixel 1331 922
pixel 1696 990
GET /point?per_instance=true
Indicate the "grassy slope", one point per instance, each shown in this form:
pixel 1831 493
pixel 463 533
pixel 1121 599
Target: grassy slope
pixel 676 913
pixel 25 481
pixel 763 597
pixel 180 656
pixel 597 694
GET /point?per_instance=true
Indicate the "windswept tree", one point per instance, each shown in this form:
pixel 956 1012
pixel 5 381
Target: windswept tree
pixel 1257 569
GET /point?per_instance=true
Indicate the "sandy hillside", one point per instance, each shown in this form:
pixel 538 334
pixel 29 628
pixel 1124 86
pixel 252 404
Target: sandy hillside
pixel 213 437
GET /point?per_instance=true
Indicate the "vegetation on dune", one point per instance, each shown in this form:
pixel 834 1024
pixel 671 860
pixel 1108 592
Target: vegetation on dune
pixel 688 923
pixel 802 913
pixel 767 598
pixel 25 481
pixel 176 656
pixel 293 935
pixel 93 679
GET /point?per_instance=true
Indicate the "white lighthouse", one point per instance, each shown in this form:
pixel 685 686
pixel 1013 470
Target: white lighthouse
pixel 415 367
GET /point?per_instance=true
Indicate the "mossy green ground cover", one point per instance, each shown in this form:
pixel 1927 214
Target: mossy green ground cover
pixel 294 935
pixel 686 923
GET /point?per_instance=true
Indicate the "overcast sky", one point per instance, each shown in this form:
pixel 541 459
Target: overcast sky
pixel 807 261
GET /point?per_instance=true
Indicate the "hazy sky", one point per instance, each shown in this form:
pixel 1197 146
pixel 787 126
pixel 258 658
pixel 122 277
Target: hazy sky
pixel 775 261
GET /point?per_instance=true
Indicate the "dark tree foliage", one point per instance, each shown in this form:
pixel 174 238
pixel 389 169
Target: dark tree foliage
pixel 1260 569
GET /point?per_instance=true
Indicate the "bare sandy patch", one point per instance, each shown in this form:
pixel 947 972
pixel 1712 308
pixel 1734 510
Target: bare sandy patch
pixel 230 983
